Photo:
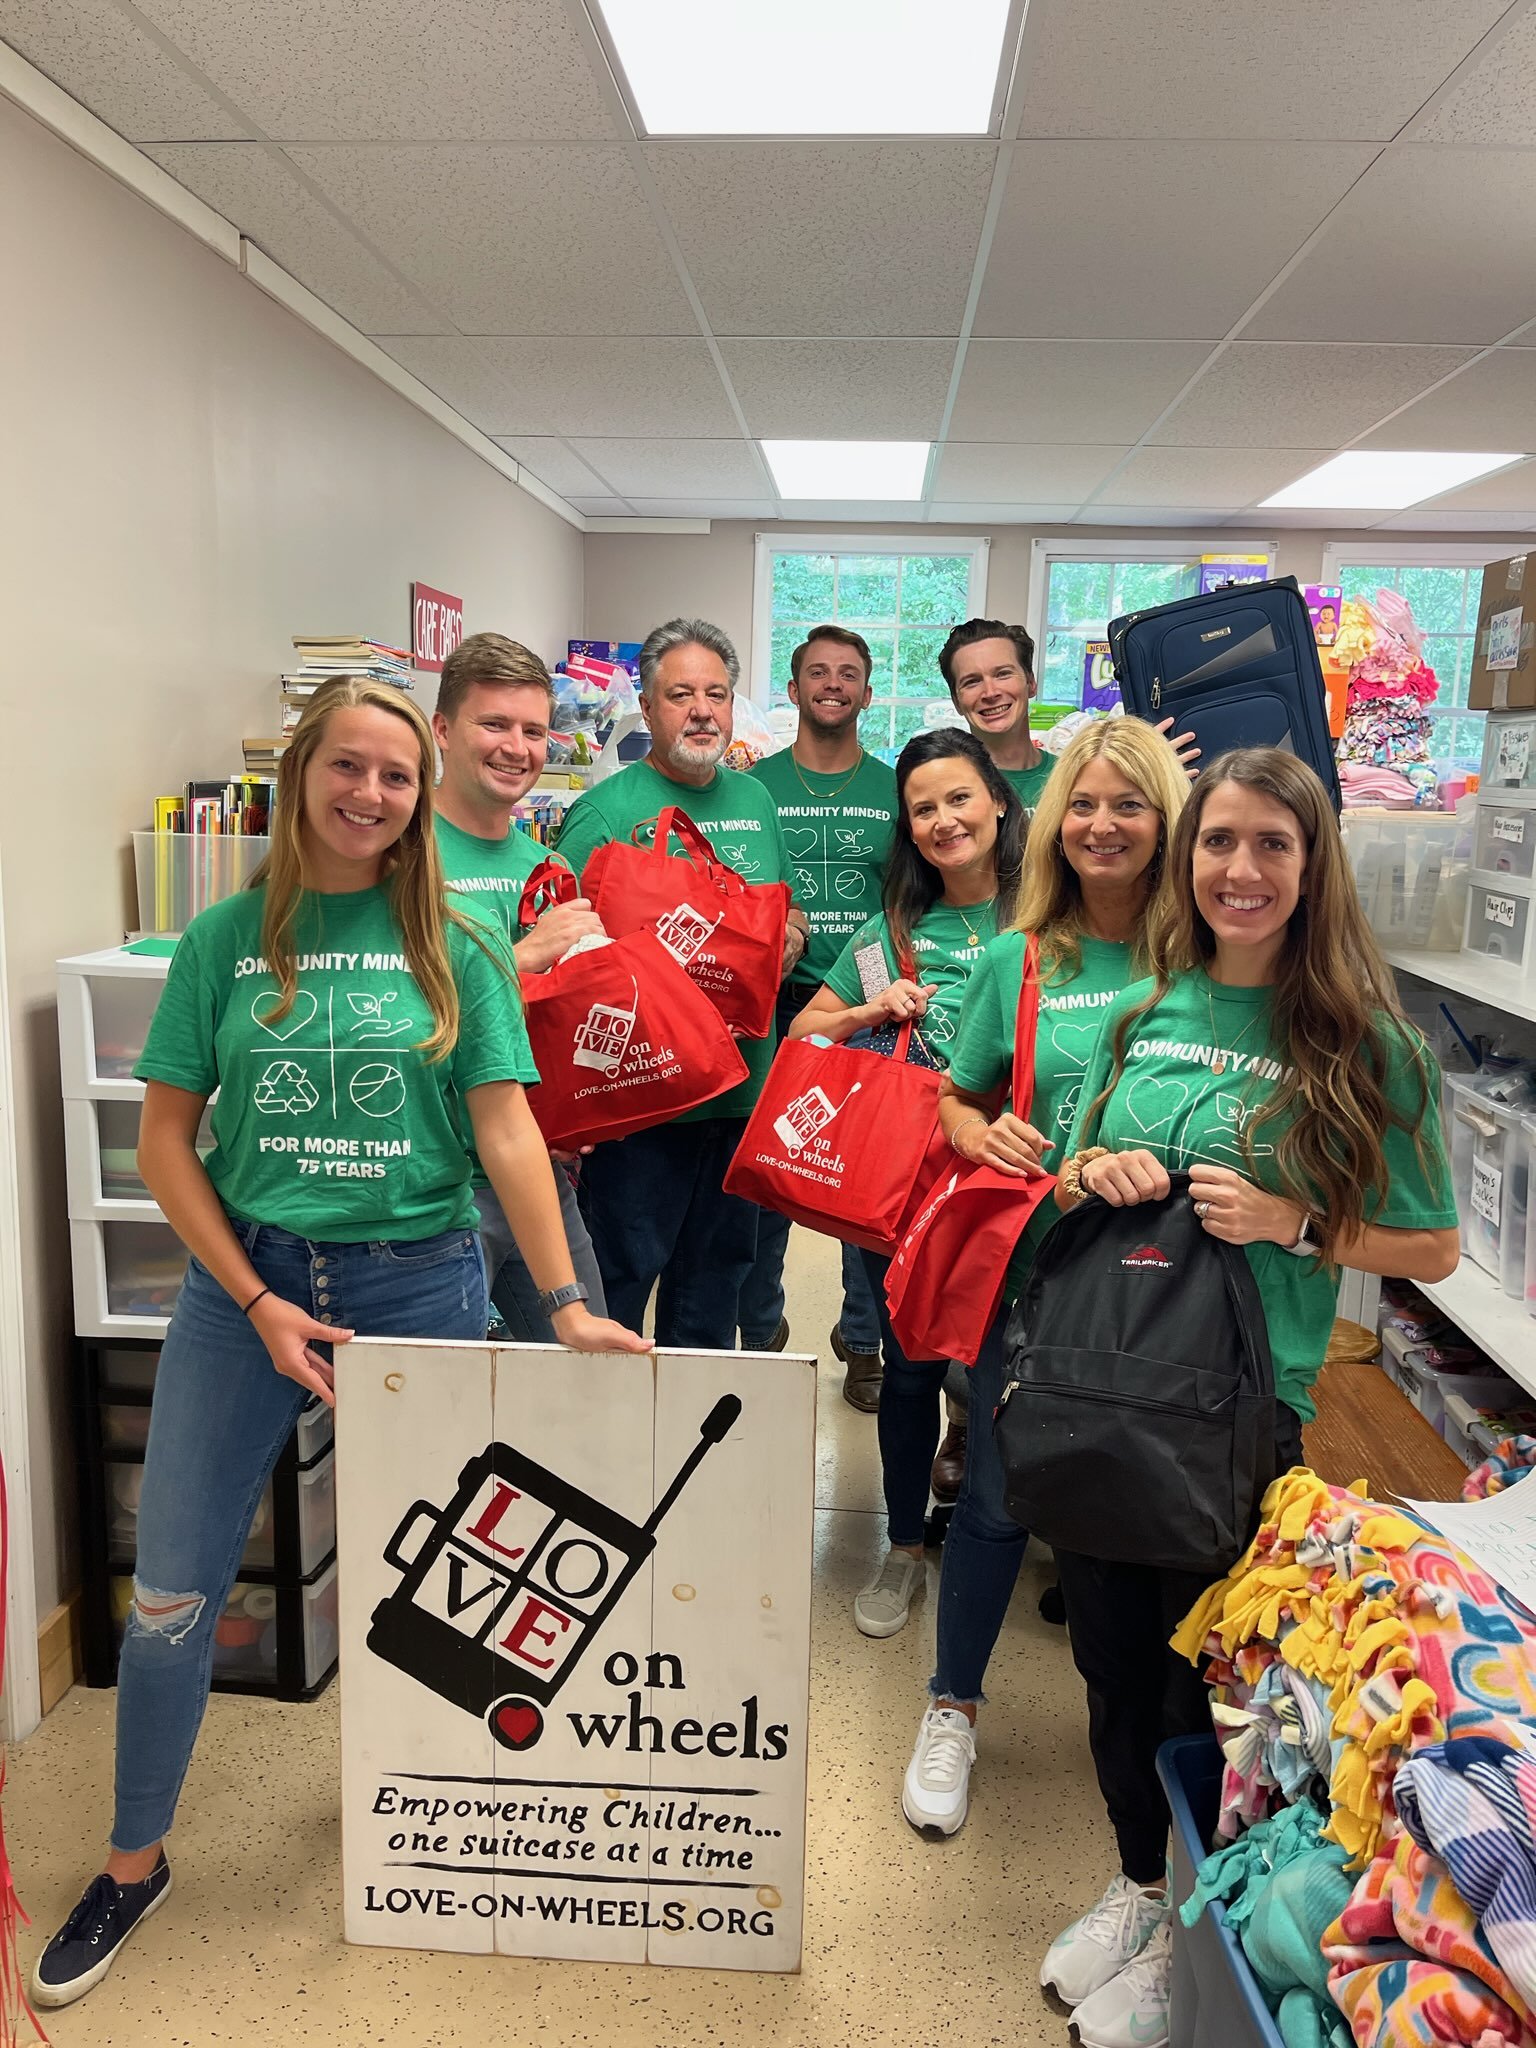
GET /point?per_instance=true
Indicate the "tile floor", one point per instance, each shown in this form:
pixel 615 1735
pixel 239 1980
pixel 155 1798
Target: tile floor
pixel 907 1941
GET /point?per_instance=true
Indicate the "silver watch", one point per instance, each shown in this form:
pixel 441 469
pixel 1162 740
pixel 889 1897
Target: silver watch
pixel 1306 1244
pixel 558 1298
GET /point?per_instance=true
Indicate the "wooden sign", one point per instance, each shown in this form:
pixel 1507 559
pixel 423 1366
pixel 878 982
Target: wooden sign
pixel 575 1651
pixel 437 626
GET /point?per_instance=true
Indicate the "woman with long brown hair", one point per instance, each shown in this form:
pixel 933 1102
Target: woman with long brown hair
pixel 1268 1057
pixel 350 1020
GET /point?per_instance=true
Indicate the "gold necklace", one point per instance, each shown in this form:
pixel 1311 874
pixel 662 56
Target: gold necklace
pixel 959 910
pixel 824 795
pixel 1219 1053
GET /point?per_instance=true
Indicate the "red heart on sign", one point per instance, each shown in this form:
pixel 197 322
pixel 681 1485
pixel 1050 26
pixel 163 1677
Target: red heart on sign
pixel 517 1724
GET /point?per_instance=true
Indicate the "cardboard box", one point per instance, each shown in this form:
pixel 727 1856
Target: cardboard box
pixel 1504 654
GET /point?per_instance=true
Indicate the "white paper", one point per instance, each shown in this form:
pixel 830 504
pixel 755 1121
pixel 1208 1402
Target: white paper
pixel 1487 1186
pixel 1498 1533
pixel 1509 828
pixel 1514 753
pixel 1504 638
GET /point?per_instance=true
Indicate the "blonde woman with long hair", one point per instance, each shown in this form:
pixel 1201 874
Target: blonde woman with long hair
pixel 1095 870
pixel 349 1018
pixel 1266 1056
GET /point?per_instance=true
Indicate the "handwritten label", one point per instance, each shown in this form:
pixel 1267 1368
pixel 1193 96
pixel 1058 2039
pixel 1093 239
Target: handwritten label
pixel 1500 910
pixel 1510 828
pixel 1514 757
pixel 1487 1191
pixel 1504 638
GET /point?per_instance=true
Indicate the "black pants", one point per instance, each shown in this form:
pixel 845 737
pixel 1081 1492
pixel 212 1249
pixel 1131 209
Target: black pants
pixel 1140 1693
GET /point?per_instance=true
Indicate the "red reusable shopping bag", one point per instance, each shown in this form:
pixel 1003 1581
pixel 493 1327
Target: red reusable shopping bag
pixel 621 1037
pixel 842 1140
pixel 727 933
pixel 946 1279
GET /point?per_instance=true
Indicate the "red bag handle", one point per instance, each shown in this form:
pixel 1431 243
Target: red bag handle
pixel 672 823
pixel 1025 1024
pixel 553 881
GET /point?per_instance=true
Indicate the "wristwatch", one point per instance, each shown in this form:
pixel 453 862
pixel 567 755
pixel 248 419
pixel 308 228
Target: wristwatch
pixel 1306 1243
pixel 558 1298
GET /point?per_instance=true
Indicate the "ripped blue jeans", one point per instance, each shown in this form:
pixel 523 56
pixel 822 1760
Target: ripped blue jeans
pixel 221 1415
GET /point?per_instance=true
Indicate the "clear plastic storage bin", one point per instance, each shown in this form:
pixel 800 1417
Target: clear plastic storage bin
pixel 121 1007
pixel 1505 839
pixel 1411 872
pixel 181 873
pixel 1509 751
pixel 316 1428
pixel 1474 1431
pixel 245 1636
pixel 317 1515
pixel 1499 923
pixel 1490 1164
pixel 101 1140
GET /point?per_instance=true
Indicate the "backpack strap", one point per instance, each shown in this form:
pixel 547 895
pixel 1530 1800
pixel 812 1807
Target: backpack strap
pixel 1026 1022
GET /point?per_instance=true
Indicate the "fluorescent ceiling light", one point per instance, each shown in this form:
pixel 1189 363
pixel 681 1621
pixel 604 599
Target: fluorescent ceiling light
pixel 810 67
pixel 848 469
pixel 1363 480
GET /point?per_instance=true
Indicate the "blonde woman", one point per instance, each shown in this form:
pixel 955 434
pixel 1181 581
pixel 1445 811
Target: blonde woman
pixel 1095 868
pixel 348 1018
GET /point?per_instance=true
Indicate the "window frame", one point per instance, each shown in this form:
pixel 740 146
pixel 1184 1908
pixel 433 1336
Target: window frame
pixel 1177 547
pixel 766 545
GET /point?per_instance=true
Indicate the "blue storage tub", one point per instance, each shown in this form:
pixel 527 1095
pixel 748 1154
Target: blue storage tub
pixel 1215 2000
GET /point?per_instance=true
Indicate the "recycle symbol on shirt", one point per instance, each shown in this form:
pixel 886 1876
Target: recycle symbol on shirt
pixel 285 1086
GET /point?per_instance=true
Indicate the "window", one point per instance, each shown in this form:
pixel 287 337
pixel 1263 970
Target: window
pixel 901 593
pixel 1444 597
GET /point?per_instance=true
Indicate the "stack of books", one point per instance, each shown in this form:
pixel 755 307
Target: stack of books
pixel 243 805
pixel 321 658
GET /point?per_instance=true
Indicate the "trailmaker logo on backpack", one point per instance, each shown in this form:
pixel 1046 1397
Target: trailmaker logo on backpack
pixel 1147 1258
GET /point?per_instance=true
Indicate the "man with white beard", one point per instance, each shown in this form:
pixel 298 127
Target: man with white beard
pixel 656 1204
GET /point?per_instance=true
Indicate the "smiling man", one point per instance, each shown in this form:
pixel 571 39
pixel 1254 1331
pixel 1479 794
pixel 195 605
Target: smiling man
pixel 494 700
pixel 837 805
pixel 990 670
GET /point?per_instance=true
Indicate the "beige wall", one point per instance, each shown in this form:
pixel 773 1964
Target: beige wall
pixel 633 582
pixel 190 477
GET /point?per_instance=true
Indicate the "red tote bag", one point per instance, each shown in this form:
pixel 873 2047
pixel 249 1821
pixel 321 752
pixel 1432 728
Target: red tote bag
pixel 621 1037
pixel 728 934
pixel 946 1279
pixel 842 1140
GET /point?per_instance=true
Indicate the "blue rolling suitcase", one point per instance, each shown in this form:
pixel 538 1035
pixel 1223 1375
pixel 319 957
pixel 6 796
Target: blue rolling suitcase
pixel 1237 668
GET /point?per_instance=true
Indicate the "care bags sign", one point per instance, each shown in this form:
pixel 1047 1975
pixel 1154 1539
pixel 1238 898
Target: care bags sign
pixel 575 1629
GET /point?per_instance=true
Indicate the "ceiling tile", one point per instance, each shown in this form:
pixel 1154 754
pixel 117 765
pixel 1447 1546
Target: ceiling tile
pixel 1422 520
pixel 1496 101
pixel 573 384
pixel 1435 245
pixel 533 240
pixel 676 468
pixel 1152 238
pixel 352 69
pixel 94 52
pixel 841 390
pixel 602 508
pixel 1507 490
pixel 1267 69
pixel 820 237
pixel 876 511
pixel 1008 472
pixel 552 462
pixel 1233 477
pixel 704 508
pixel 1070 391
pixel 1490 405
pixel 1320 522
pixel 252 186
pixel 1192 516
pixel 1281 395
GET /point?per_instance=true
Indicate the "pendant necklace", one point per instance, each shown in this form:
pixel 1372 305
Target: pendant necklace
pixel 1219 1053
pixel 968 921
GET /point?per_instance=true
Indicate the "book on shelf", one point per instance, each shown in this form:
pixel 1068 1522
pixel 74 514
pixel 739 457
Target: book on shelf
pixel 262 756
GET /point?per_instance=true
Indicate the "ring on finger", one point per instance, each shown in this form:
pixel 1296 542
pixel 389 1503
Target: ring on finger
pixel 1202 1209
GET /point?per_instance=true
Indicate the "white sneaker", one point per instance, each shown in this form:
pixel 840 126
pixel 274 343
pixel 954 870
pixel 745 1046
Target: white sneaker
pixel 883 1606
pixel 934 1792
pixel 1107 1937
pixel 1131 2010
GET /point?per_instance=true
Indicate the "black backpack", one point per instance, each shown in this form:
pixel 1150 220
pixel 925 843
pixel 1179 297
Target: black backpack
pixel 1138 1414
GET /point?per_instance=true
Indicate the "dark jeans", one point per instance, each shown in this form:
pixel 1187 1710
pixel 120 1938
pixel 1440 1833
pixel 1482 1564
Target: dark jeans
pixel 984 1547
pixel 511 1284
pixel 1140 1693
pixel 660 1217
pixel 910 1419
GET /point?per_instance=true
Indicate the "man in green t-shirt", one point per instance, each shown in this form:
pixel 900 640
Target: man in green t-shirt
pixel 494 700
pixel 656 1201
pixel 837 806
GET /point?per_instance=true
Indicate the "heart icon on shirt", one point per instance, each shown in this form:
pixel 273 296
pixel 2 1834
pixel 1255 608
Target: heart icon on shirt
pixel 305 1004
pixel 802 841
pixel 1153 1104
pixel 1074 1042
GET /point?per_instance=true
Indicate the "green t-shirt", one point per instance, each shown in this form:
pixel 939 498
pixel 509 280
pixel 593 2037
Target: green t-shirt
pixel 945 956
pixel 736 815
pixel 838 830
pixel 1071 1008
pixel 1168 1101
pixel 490 871
pixel 1027 783
pixel 329 1122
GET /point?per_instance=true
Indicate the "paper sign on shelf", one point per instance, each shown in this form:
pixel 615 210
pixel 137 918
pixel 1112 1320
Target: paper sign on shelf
pixel 1498 1533
pixel 1504 638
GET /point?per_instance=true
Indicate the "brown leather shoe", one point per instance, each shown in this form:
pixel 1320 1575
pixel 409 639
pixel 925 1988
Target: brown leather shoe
pixel 861 1382
pixel 949 1465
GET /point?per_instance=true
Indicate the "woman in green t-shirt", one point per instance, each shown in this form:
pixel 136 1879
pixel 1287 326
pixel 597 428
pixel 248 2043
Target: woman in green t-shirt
pixel 1095 868
pixel 348 1018
pixel 950 885
pixel 1269 1058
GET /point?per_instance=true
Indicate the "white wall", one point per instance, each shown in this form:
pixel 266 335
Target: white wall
pixel 190 477
pixel 635 581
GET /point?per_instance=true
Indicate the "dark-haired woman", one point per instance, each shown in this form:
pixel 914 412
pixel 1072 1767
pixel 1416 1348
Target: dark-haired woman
pixel 950 887
pixel 1267 1057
